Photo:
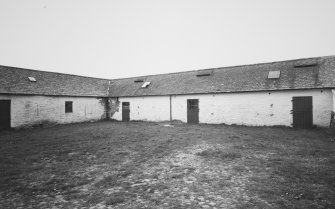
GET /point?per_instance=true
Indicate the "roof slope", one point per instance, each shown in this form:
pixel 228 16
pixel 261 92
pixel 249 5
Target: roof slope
pixel 228 79
pixel 234 79
pixel 15 81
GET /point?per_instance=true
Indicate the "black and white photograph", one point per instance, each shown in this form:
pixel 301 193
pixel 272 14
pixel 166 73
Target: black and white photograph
pixel 167 104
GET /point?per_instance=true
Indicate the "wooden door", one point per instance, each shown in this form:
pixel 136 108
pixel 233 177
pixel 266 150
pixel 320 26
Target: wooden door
pixel 303 112
pixel 4 114
pixel 192 111
pixel 125 111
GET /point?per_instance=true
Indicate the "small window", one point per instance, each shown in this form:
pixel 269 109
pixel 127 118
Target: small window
pixel 146 84
pixel 125 106
pixel 68 107
pixel 274 74
pixel 32 79
pixel 193 104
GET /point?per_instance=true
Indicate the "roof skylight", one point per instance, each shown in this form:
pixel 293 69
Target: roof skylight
pixel 32 79
pixel 274 74
pixel 146 84
pixel 305 65
pixel 204 73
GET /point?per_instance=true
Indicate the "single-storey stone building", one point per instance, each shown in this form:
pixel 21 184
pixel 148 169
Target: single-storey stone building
pixel 298 93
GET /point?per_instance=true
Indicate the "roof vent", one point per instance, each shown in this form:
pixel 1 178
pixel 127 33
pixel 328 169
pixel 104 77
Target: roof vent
pixel 138 81
pixel 204 73
pixel 32 79
pixel 146 84
pixel 305 65
pixel 274 74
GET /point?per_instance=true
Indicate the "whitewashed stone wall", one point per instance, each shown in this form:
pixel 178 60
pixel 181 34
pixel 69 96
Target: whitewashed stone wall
pixel 254 108
pixel 151 108
pixel 249 108
pixel 30 110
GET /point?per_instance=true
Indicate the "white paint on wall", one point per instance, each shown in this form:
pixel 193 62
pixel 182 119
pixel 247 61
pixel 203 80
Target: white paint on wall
pixel 248 108
pixel 149 108
pixel 254 108
pixel 29 110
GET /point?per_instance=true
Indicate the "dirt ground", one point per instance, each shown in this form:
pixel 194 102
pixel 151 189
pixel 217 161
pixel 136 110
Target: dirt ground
pixel 150 165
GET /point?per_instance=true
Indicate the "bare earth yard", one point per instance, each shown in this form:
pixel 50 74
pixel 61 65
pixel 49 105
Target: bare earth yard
pixel 148 165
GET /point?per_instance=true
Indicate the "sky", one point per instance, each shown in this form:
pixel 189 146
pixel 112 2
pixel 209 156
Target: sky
pixel 126 38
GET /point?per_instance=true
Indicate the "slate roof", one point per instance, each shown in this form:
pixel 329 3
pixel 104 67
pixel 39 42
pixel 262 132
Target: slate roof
pixel 234 79
pixel 15 81
pixel 243 78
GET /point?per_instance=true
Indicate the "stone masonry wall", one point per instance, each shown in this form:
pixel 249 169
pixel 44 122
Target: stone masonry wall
pixel 268 108
pixel 254 108
pixel 35 110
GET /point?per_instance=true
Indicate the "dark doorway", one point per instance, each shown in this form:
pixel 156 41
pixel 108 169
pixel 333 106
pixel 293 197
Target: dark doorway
pixel 192 111
pixel 4 114
pixel 125 111
pixel 303 112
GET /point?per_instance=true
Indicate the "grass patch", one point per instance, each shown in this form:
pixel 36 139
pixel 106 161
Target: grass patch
pixel 116 198
pixel 108 181
pixel 261 168
pixel 220 154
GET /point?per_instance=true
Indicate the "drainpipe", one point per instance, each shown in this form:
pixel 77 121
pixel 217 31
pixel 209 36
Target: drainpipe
pixel 332 122
pixel 170 108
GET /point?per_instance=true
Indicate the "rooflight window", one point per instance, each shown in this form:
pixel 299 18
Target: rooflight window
pixel 146 84
pixel 274 74
pixel 138 81
pixel 32 79
pixel 306 65
pixel 203 74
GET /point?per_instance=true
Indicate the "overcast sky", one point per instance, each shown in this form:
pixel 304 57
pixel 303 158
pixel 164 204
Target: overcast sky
pixel 126 38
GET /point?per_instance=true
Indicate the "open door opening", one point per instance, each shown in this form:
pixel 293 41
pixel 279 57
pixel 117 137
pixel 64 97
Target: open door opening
pixel 4 114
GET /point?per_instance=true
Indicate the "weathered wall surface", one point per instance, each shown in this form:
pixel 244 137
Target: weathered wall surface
pixel 254 108
pixel 30 110
pixel 150 108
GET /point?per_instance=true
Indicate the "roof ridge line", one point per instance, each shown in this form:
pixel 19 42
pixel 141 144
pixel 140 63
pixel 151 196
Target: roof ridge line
pixel 188 71
pixel 218 68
